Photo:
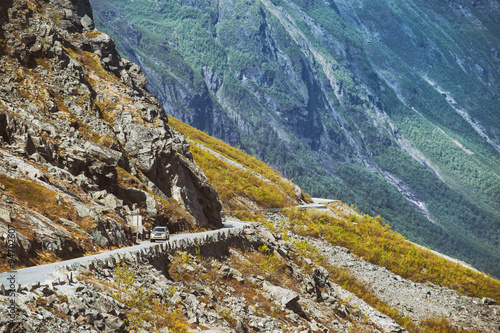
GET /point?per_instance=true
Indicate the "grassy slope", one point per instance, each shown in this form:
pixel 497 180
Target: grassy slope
pixel 365 236
pixel 239 187
pixel 374 241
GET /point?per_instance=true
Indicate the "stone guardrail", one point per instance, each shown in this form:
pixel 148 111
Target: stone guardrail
pixel 214 245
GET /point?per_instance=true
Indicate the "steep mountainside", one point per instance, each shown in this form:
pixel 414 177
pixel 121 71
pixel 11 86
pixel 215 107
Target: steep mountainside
pixel 389 106
pixel 242 181
pixel 83 145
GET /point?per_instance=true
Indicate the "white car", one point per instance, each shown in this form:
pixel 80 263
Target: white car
pixel 160 234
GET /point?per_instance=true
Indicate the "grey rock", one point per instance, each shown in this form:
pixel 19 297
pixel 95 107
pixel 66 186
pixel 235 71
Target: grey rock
pixel 64 308
pixel 282 296
pixel 114 324
pixel 112 201
pixel 488 301
pixel 320 276
pixel 151 205
pixel 104 305
pixel 99 324
pixel 47 291
pixel 87 23
pixel 109 156
pixel 5 215
pixel 241 327
pixel 74 226
pixel 51 300
pixel 92 316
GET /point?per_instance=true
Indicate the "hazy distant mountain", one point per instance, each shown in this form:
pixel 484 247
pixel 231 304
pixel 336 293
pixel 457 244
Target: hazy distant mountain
pixel 390 106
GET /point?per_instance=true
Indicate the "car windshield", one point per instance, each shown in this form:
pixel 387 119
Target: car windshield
pixel 160 229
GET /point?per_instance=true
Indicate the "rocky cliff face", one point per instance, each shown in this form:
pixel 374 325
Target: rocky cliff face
pixel 390 107
pixel 83 145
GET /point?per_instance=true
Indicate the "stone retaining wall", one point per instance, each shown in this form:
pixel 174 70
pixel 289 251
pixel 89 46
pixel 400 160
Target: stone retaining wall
pixel 214 245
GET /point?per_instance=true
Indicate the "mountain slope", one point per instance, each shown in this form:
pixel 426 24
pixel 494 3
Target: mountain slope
pixel 83 146
pixel 254 279
pixel 391 107
pixel 242 182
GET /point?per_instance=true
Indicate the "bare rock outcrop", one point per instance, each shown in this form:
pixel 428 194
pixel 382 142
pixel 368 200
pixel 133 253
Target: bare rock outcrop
pixel 79 128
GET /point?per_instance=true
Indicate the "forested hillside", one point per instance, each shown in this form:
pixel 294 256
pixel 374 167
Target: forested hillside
pixel 392 107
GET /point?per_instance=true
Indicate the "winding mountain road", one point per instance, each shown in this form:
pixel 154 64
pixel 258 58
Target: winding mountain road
pixel 317 203
pixel 45 272
pixel 42 273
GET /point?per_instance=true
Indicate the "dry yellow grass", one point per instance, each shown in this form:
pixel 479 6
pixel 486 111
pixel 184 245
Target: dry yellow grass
pixel 374 241
pixel 238 186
